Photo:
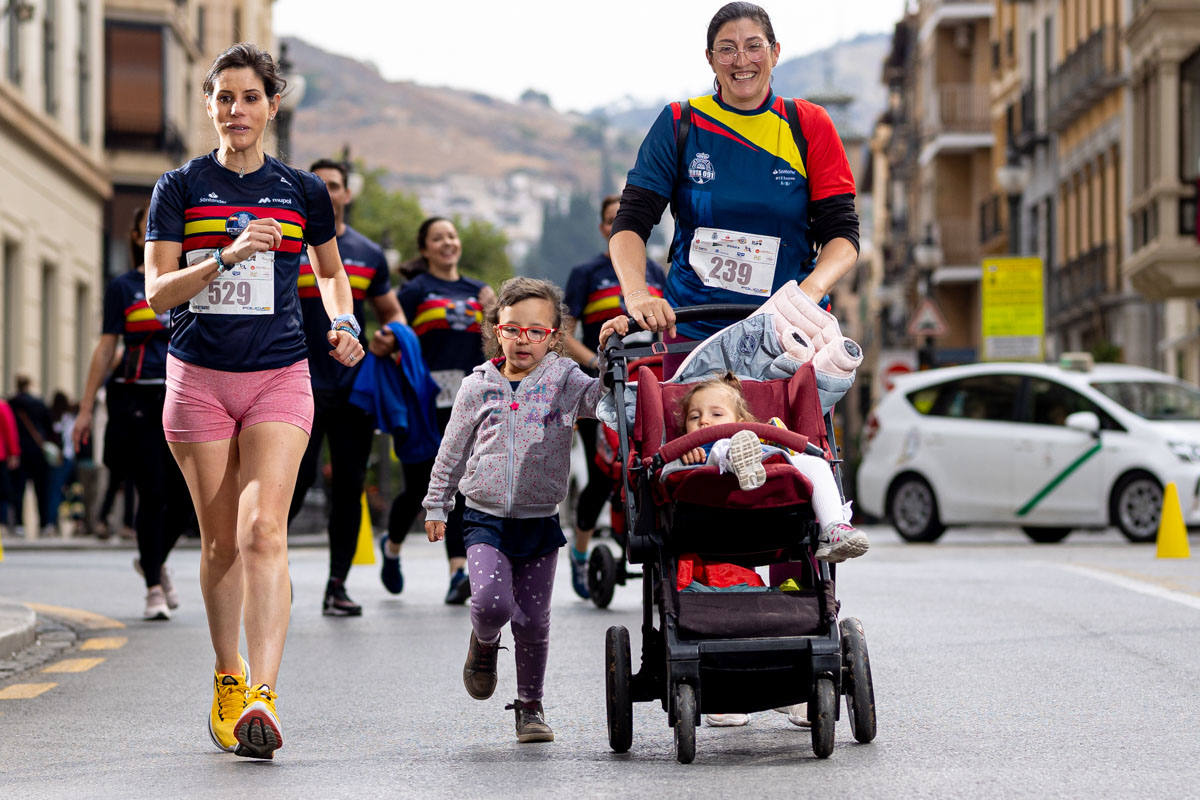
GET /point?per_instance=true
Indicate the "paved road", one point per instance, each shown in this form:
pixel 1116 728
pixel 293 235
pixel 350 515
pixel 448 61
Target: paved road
pixel 1002 669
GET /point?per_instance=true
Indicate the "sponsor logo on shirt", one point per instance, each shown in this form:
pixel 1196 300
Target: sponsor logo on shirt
pixel 701 170
pixel 784 176
pixel 279 201
pixel 212 197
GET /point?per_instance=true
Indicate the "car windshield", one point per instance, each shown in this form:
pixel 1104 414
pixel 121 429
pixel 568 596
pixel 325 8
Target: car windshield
pixel 1154 400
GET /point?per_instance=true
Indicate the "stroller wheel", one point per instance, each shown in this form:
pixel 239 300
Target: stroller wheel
pixel 685 724
pixel 601 575
pixel 618 682
pixel 856 681
pixel 822 709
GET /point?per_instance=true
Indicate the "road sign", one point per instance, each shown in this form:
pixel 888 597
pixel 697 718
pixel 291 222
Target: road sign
pixel 928 321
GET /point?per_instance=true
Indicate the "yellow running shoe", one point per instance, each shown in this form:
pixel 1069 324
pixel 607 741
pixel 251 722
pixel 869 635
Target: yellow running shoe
pixel 229 698
pixel 258 731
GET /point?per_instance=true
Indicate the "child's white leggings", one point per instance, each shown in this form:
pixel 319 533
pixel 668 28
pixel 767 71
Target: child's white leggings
pixel 826 501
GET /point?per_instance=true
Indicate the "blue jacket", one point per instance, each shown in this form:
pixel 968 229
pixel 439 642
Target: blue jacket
pixel 401 398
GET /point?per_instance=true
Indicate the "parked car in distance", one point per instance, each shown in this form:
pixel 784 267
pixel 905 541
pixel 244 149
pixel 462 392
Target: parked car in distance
pixel 1040 446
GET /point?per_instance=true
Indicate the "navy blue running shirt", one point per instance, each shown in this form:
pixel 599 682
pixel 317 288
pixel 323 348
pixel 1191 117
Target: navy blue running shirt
pixel 448 319
pixel 594 295
pixel 745 185
pixel 203 206
pixel 367 270
pixel 144 333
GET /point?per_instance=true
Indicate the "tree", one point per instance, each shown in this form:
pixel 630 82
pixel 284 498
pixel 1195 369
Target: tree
pixel 484 256
pixel 386 217
pixel 567 239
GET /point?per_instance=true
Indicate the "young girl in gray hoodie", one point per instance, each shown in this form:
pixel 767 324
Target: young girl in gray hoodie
pixel 507 449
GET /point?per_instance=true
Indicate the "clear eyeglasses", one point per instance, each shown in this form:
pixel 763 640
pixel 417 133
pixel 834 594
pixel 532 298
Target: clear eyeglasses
pixel 533 333
pixel 754 51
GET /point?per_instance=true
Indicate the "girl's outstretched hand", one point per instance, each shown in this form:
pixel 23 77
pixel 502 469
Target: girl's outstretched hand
pixel 435 530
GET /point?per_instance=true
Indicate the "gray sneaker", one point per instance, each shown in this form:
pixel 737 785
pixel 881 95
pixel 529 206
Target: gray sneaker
pixel 156 605
pixel 531 722
pixel 840 541
pixel 164 579
pixel 745 456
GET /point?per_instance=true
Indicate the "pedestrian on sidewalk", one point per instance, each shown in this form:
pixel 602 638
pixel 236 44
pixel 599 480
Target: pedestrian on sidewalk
pixel 445 309
pixel 38 455
pixel 348 429
pixel 10 459
pixel 224 239
pixel 135 411
pixel 507 449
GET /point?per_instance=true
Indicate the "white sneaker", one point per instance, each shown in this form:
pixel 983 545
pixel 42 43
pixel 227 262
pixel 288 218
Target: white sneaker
pixel 164 577
pixel 745 456
pixel 840 541
pixel 156 604
pixel 797 714
pixel 727 720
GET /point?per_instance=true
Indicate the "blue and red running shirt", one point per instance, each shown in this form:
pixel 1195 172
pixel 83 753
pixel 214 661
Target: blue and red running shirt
pixel 144 333
pixel 203 206
pixel 744 173
pixel 594 295
pixel 367 270
pixel 448 319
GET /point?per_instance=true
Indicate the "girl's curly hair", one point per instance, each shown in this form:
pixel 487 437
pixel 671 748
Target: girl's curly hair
pixel 513 291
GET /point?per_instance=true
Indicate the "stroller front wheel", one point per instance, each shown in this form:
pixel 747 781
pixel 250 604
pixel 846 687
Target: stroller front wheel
pixel 823 714
pixel 618 682
pixel 601 575
pixel 856 681
pixel 685 724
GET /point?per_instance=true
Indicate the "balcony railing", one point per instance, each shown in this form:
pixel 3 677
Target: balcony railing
pixel 1079 283
pixel 958 108
pixel 1088 73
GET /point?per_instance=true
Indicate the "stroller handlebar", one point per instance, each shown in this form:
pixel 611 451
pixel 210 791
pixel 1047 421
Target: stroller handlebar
pixel 718 311
pixel 768 433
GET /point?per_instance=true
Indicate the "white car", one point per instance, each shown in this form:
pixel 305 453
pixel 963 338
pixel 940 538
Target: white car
pixel 1039 446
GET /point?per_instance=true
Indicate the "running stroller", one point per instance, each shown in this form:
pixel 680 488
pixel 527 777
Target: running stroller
pixel 723 652
pixel 606 571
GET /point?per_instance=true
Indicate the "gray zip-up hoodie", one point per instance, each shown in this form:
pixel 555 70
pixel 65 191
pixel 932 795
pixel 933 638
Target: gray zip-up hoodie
pixel 509 452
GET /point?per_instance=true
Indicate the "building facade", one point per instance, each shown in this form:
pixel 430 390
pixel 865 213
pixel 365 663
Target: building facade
pixel 53 190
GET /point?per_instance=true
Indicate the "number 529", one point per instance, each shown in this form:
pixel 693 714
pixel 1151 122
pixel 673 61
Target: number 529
pixel 229 293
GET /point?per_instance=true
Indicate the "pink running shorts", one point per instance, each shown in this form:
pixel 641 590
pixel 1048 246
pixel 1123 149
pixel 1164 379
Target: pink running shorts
pixel 210 405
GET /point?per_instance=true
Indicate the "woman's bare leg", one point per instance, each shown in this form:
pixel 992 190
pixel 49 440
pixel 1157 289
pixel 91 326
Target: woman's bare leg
pixel 270 454
pixel 211 472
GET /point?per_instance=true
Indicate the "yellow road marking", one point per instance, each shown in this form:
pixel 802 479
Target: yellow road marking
pixel 85 619
pixel 25 691
pixel 104 643
pixel 74 665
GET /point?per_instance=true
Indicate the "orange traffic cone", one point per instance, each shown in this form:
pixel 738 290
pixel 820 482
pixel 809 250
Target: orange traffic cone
pixel 1172 533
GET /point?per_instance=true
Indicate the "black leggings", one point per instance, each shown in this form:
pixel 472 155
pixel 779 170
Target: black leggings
pixel 407 504
pixel 350 432
pixel 164 508
pixel 599 486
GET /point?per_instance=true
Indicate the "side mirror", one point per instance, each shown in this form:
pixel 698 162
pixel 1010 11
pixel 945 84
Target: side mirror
pixel 1085 421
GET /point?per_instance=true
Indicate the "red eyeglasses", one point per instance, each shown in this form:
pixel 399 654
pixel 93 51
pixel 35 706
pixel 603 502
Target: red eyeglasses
pixel 534 333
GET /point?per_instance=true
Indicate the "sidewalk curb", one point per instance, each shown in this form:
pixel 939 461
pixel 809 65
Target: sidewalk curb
pixel 18 628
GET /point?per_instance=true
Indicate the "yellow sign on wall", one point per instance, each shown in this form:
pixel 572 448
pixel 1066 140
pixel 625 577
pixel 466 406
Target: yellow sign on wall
pixel 1013 309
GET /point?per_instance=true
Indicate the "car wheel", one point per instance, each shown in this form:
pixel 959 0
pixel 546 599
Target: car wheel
pixel 1136 505
pixel 913 510
pixel 1047 535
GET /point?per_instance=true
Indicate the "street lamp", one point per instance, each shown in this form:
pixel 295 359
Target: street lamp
pixel 1012 177
pixel 288 104
pixel 927 255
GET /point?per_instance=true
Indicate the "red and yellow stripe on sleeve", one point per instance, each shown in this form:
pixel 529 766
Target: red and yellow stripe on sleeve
pixel 140 318
pixel 606 304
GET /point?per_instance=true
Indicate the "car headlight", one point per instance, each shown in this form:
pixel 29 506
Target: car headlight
pixel 1186 451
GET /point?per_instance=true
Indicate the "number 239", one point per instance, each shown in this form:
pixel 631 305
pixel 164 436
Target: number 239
pixel 235 292
pixel 734 271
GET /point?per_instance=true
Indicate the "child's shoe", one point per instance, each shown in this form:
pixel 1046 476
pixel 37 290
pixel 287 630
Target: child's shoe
pixel 797 714
pixel 839 541
pixel 229 700
pixel 531 721
pixel 389 573
pixel 745 457
pixel 579 569
pixel 258 731
pixel 479 673
pixel 727 720
pixel 460 588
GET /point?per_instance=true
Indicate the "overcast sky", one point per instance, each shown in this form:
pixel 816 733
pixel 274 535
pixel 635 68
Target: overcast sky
pixel 581 54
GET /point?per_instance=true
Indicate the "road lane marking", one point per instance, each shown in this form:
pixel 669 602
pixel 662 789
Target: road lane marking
pixel 104 643
pixel 84 619
pixel 25 691
pixel 1141 584
pixel 74 665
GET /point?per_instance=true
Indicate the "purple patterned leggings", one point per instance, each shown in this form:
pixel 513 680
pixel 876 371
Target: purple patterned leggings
pixel 517 591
